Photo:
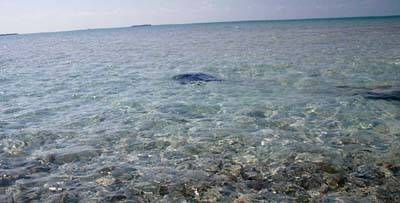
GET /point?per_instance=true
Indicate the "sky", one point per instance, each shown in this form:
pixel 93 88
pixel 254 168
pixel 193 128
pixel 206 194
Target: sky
pixel 29 16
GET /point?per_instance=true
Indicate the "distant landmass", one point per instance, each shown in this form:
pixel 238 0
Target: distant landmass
pixel 144 25
pixel 2 35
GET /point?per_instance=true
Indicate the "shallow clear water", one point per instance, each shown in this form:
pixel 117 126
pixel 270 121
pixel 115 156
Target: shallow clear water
pixel 95 116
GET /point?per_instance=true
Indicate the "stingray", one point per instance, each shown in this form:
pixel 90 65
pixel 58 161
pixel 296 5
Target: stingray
pixel 387 92
pixel 390 95
pixel 194 78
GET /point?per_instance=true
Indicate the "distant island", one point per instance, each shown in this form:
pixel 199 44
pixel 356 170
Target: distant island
pixel 9 34
pixel 144 25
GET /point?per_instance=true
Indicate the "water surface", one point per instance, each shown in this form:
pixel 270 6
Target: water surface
pixel 95 115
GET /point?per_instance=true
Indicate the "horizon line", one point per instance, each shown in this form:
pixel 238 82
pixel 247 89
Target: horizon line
pixel 216 22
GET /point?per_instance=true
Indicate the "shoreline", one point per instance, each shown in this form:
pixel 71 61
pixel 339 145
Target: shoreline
pixel 8 34
pixel 232 21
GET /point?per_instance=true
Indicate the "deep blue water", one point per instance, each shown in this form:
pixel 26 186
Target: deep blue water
pixel 95 115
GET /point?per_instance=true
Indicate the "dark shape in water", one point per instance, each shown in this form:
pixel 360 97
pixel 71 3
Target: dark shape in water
pixel 385 95
pixel 387 92
pixel 194 78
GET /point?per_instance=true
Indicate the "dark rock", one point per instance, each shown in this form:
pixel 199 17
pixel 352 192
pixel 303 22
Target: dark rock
pixel 125 173
pixel 106 170
pixel 37 167
pixel 380 92
pixel 391 95
pixel 256 114
pixel 292 190
pixel 68 155
pixel 309 182
pixel 113 196
pixel 367 175
pixel 250 173
pixel 228 189
pixel 189 78
pixel 211 195
pixel 256 184
pixel 315 176
pixel 390 192
pixel 232 170
pixel 8 178
pixel 28 195
pixel 369 172
pixel 164 190
pixel 116 197
pixel 63 197
pixel 292 170
pixel 335 181
pixel 132 191
pixel 358 157
pixel 329 168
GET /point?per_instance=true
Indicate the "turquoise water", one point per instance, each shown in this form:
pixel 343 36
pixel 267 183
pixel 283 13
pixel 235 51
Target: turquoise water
pixel 95 115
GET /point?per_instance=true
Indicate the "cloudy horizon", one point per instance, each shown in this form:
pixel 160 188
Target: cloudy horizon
pixel 22 16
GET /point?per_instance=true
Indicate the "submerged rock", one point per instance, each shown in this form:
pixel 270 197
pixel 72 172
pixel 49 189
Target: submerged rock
pixel 256 114
pixel 26 170
pixel 384 92
pixel 62 156
pixel 390 192
pixel 389 95
pixel 189 78
pixel 63 197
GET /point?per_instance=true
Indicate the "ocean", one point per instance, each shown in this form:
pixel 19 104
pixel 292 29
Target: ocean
pixel 303 110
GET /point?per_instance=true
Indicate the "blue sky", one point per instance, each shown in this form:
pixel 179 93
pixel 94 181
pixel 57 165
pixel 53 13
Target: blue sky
pixel 26 16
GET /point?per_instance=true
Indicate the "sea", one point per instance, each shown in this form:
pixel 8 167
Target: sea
pixel 303 110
